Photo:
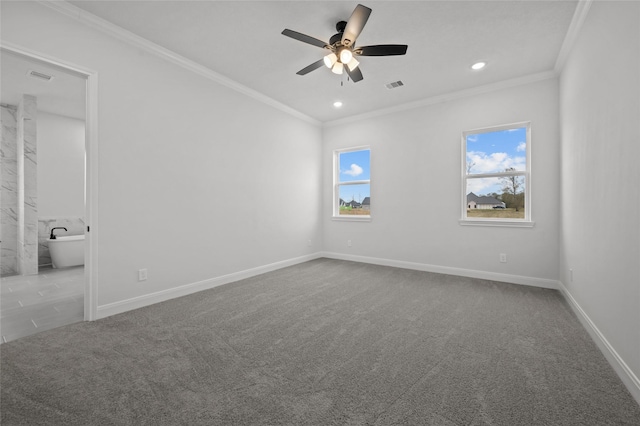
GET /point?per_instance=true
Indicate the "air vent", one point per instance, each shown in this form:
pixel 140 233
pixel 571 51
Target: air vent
pixel 40 76
pixel 394 84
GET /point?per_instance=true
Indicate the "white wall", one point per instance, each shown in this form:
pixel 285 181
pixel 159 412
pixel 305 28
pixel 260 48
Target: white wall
pixel 190 191
pixel 600 203
pixel 60 166
pixel 196 180
pixel 416 186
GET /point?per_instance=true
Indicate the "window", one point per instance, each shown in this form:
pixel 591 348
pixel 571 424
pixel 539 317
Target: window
pixel 352 185
pixel 496 168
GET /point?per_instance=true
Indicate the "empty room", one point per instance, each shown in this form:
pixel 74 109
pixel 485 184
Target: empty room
pixel 320 212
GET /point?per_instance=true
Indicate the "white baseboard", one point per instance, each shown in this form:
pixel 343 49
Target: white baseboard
pixel 625 373
pixel 493 276
pixel 121 306
pixel 627 376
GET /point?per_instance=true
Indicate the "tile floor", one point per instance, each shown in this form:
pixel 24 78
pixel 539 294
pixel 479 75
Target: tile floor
pixel 30 304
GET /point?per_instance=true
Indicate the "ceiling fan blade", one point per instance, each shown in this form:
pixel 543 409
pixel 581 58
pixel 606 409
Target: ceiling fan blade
pixel 304 38
pixel 355 75
pixel 312 67
pixel 355 24
pixel 382 50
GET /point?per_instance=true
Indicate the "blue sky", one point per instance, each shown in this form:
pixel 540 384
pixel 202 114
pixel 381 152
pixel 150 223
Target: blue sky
pixel 486 153
pixel 355 165
pixel 494 152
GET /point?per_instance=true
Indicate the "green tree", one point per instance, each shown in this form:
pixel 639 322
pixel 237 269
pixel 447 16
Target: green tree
pixel 513 190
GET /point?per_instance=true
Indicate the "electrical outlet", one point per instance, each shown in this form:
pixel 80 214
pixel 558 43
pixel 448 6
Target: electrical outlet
pixel 503 258
pixel 142 274
pixel 348 243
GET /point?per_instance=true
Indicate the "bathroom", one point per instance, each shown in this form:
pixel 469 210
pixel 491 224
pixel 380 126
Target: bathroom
pixel 43 194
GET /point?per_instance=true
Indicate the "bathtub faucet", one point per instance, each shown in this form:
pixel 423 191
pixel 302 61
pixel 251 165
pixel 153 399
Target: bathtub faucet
pixel 53 237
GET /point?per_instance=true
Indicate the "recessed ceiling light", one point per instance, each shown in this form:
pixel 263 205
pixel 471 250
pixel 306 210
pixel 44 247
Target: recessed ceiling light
pixel 478 65
pixel 337 104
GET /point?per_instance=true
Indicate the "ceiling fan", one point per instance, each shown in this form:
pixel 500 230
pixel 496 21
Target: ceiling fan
pixel 343 46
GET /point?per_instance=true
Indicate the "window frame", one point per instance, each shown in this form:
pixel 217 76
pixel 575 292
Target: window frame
pixel 526 222
pixel 337 184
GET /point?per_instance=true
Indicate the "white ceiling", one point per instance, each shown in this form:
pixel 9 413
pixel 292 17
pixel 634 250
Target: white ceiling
pixel 62 95
pixel 241 40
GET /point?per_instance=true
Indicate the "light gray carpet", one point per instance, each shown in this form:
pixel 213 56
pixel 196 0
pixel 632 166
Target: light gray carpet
pixel 321 343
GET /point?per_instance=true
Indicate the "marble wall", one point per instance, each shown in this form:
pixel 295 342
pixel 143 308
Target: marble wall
pixel 74 225
pixel 23 234
pixel 8 191
pixel 27 186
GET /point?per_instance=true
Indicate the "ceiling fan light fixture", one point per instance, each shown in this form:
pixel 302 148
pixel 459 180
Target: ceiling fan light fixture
pixel 342 46
pixel 330 59
pixel 353 64
pixel 345 56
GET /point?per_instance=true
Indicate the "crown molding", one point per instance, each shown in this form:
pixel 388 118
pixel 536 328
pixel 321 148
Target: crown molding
pixel 487 88
pixel 579 16
pixel 134 40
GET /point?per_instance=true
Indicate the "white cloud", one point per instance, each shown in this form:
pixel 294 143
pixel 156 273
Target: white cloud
pixel 354 170
pixel 484 186
pixel 522 146
pixel 494 162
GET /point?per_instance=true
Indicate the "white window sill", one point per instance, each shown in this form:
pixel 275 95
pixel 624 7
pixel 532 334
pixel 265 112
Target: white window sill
pixel 493 222
pixel 347 218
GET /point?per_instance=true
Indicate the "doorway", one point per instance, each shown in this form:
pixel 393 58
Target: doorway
pixel 49 105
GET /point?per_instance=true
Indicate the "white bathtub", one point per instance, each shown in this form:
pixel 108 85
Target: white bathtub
pixel 67 251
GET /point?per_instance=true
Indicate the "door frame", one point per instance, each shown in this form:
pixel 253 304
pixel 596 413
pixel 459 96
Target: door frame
pixel 91 169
